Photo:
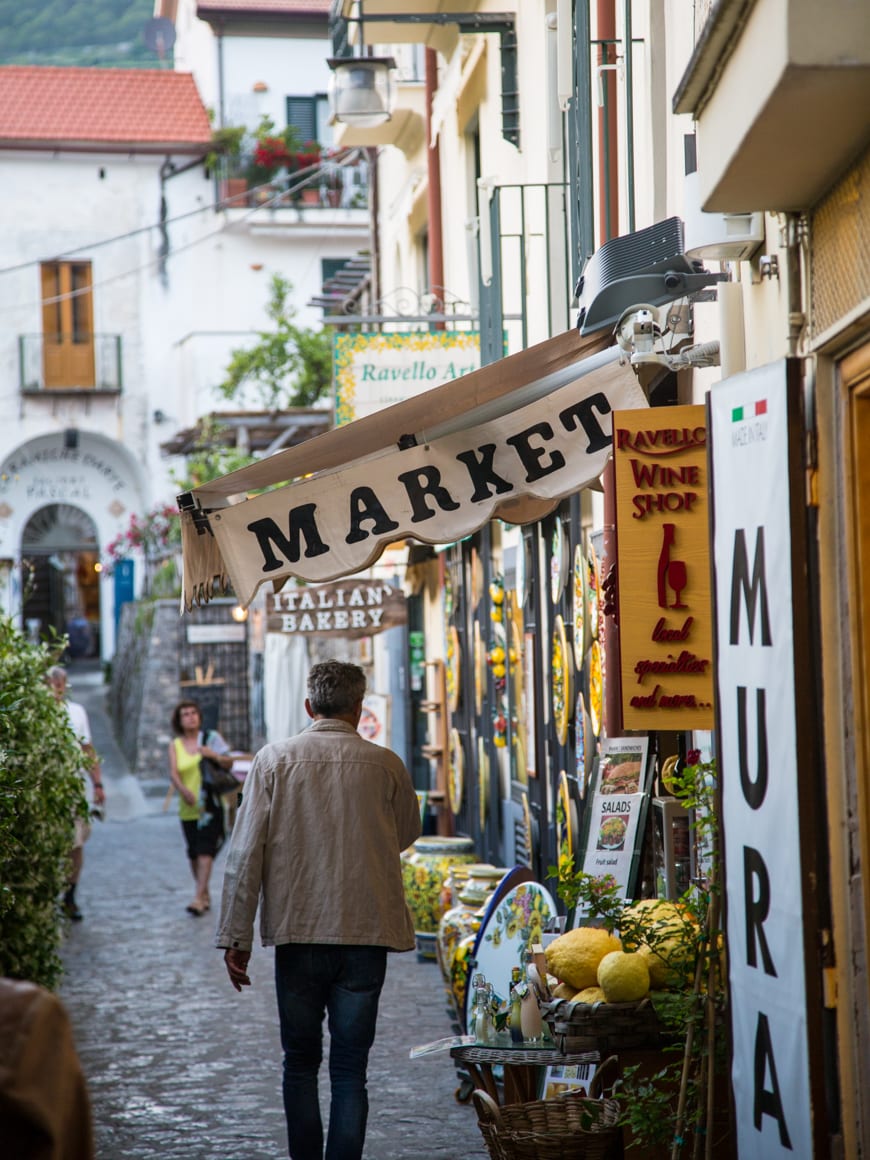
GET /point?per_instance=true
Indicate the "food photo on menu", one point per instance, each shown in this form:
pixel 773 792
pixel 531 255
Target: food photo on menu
pixel 621 772
pixel 611 832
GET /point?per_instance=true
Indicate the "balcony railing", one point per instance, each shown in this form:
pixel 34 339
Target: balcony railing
pixel 333 185
pixel 84 362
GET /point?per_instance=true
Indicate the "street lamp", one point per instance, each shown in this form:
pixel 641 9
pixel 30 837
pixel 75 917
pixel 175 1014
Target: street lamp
pixel 360 86
pixel 361 90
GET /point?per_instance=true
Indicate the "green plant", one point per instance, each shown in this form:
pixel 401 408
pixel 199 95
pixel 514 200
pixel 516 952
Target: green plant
pixel 41 793
pixel 226 143
pixel 156 535
pixel 211 456
pixel 290 366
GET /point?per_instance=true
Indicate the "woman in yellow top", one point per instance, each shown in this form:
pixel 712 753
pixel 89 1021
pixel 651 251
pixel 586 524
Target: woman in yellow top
pixel 200 810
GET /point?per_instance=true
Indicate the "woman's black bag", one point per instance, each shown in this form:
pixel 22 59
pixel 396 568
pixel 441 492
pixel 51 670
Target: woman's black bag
pixel 218 779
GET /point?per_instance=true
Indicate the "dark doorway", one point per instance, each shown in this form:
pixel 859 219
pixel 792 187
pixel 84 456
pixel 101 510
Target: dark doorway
pixel 61 578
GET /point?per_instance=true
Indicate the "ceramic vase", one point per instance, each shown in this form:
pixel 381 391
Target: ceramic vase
pixel 472 886
pixel 423 874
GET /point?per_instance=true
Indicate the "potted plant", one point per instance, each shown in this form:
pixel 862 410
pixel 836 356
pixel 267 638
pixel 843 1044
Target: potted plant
pixel 224 160
pixel 273 152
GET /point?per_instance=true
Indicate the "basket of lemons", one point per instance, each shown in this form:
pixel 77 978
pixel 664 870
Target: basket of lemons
pixel 601 987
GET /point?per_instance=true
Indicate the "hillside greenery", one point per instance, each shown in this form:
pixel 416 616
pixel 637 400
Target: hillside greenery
pixel 94 33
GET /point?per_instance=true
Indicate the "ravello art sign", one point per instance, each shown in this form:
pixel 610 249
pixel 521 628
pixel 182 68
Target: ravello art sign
pixel 663 569
pixel 373 371
pixel 514 467
pixel 350 608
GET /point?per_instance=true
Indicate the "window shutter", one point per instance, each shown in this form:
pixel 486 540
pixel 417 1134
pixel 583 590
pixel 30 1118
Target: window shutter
pixel 301 114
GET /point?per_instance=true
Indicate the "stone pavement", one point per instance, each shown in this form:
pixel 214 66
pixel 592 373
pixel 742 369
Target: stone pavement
pixel 180 1066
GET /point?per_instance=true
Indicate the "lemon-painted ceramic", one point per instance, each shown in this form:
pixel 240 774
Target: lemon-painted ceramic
pixel 423 874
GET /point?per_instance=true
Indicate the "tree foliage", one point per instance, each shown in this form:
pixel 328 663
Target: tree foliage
pixel 76 32
pixel 41 792
pixel 290 366
pixel 211 458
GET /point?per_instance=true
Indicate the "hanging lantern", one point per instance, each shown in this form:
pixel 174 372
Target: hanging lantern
pixel 361 90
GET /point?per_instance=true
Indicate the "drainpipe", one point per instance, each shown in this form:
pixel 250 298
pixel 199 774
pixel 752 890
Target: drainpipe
pixel 794 285
pixel 608 227
pixel 374 218
pixel 608 137
pixel 433 157
pixel 222 113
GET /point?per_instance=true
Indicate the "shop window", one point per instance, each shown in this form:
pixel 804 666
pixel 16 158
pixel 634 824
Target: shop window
pixel 67 324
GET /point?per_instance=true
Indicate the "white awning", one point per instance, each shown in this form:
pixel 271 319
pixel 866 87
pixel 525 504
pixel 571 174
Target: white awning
pixel 509 441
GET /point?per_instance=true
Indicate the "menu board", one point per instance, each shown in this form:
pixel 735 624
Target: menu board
pixel 616 809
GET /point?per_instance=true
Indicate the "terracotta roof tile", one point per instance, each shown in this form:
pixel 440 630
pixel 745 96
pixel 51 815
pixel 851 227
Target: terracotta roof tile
pixel 94 106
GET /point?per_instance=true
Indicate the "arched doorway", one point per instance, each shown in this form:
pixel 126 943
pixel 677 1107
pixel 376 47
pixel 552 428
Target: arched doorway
pixel 60 559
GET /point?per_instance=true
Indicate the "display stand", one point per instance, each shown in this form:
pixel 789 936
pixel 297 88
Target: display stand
pixel 522 1068
pixel 436 751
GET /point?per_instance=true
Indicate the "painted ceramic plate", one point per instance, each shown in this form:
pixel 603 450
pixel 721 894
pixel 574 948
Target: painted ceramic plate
pixel 448 592
pixel 482 780
pixel 593 587
pixel 579 605
pixel 580 738
pixel 565 823
pixel 476 579
pixel 530 833
pixel 479 670
pixel 596 689
pixel 558 560
pixel 453 668
pixel 514 924
pixel 514 877
pixel 516 693
pixel 520 569
pixel 561 667
pixel 456 782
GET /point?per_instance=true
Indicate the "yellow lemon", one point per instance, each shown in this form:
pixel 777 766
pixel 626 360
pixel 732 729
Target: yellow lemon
pixel 623 976
pixel 574 956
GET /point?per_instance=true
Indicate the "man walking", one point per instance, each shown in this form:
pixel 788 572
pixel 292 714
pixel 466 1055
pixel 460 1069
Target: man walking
pixel 324 818
pixel 78 719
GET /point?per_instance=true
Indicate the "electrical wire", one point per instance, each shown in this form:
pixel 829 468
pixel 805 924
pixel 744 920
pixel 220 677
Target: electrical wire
pixel 315 172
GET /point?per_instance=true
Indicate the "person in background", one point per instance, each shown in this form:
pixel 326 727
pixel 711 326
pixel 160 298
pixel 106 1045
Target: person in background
pixel 78 719
pixel 200 810
pixel 324 818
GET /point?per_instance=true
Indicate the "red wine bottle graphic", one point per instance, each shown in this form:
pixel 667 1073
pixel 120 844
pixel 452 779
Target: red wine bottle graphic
pixel 672 574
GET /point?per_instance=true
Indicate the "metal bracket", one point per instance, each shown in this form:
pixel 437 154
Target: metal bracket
pixel 188 505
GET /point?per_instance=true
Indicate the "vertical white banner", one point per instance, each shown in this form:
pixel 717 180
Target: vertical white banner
pixel 752 552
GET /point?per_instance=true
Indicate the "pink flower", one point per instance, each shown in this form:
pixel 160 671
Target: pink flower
pixel 693 756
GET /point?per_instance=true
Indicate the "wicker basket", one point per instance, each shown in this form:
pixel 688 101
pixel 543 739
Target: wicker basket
pixel 572 1126
pixel 603 1027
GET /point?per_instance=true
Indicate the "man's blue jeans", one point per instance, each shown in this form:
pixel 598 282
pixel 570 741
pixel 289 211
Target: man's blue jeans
pixel 345 983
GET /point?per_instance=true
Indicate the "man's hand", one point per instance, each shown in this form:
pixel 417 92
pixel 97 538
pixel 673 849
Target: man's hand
pixel 237 967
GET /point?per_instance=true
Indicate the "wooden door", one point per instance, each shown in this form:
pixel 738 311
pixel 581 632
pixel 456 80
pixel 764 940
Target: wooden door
pixel 67 325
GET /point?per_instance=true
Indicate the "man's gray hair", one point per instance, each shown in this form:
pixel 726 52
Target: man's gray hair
pixel 335 687
pixel 55 673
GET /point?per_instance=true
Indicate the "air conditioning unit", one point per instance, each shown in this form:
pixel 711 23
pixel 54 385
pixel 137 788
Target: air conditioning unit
pixel 724 237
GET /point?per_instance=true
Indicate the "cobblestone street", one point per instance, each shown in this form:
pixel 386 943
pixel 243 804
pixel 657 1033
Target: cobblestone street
pixel 180 1066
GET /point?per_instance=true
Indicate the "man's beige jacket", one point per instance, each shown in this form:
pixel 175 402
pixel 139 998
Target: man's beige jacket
pixel 324 818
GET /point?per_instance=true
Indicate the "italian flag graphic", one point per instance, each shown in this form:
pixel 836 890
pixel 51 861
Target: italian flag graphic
pixel 750 411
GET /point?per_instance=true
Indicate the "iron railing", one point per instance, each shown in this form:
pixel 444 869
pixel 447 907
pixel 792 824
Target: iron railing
pixel 87 362
pixel 333 184
pixel 526 295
